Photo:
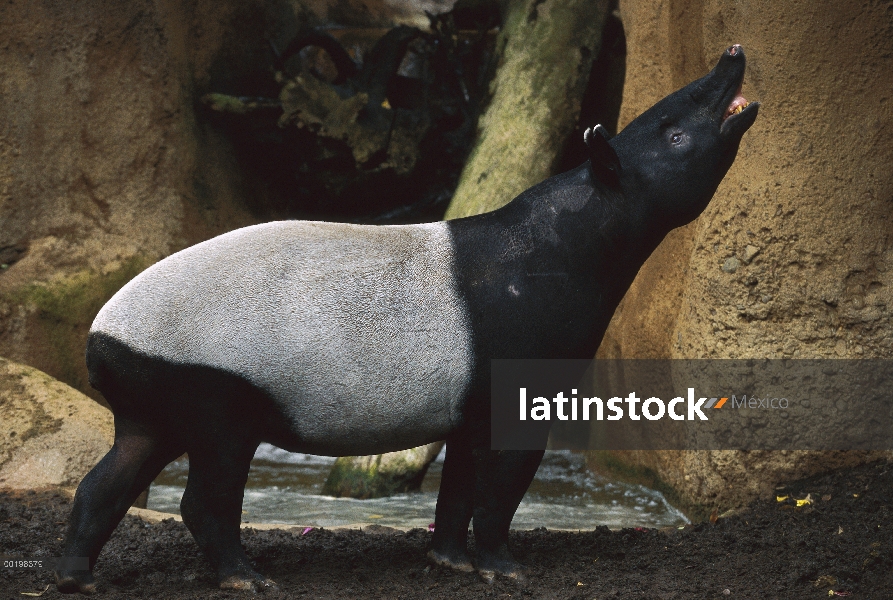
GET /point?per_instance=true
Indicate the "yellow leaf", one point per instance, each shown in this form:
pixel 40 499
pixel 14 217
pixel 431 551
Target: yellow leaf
pixel 781 498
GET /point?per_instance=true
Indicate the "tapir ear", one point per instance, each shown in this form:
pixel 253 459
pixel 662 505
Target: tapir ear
pixel 605 164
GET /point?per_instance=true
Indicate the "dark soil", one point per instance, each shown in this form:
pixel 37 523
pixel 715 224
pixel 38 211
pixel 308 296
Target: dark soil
pixel 840 545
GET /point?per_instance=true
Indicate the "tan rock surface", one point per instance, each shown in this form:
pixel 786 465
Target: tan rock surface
pixel 105 164
pixel 52 435
pixel 793 257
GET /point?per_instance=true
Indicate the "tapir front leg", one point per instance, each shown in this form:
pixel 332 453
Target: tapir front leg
pixel 455 504
pixel 501 479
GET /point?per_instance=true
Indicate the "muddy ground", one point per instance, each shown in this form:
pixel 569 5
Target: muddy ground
pixel 839 545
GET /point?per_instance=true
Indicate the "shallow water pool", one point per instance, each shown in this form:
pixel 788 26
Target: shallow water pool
pixel 284 487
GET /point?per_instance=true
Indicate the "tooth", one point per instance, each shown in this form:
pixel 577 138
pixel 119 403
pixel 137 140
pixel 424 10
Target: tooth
pixel 738 109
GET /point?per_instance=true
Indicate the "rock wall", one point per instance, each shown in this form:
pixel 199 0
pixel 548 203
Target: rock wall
pixel 794 256
pixel 104 165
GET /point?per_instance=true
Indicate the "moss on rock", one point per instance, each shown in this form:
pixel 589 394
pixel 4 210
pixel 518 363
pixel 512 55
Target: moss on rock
pixel 381 475
pixel 63 310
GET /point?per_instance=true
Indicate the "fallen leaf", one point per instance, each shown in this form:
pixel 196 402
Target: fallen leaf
pixel 714 516
pixel 807 500
pixel 781 498
pixel 839 530
pixel 36 594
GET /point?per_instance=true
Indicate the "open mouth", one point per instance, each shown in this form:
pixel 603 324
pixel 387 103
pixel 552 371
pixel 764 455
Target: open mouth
pixel 739 103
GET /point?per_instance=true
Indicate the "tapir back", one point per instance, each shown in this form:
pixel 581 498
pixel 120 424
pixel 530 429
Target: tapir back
pixel 349 330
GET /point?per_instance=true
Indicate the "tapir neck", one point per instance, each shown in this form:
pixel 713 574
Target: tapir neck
pixel 542 275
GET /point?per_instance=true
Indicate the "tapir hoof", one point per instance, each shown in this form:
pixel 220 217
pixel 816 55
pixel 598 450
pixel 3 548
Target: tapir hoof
pixel 258 583
pixel 72 582
pixel 460 562
pixel 489 575
pixel 500 563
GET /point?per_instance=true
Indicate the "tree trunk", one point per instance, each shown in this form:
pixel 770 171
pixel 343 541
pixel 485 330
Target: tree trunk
pixel 544 52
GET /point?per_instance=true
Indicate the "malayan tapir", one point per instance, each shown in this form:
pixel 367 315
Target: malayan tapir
pixel 340 339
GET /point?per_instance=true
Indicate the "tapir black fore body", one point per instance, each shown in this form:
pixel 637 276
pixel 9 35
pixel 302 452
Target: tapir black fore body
pixel 344 339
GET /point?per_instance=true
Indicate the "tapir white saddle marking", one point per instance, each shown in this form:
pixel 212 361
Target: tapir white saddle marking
pixel 357 333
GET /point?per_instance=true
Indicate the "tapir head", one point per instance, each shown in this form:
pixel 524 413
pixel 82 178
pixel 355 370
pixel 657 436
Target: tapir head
pixel 670 160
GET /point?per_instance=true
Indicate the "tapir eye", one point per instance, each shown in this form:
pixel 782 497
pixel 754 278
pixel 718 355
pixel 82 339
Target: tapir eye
pixel 673 133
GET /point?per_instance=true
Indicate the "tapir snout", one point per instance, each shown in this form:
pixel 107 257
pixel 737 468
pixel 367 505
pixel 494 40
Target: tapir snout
pixel 670 160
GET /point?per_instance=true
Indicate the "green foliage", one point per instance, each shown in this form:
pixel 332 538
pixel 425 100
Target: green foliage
pixel 226 104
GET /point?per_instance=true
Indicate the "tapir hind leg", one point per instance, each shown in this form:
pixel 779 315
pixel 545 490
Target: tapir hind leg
pixel 212 508
pixel 106 493
pixel 502 478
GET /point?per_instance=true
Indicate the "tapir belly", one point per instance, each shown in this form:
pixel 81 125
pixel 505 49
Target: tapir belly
pixel 357 334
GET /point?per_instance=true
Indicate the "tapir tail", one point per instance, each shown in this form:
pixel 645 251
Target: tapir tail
pixel 104 361
pixel 96 368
